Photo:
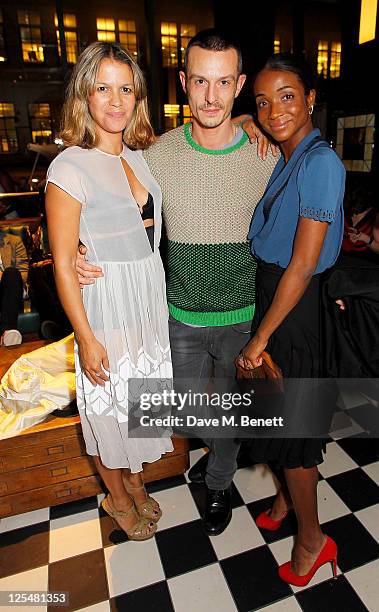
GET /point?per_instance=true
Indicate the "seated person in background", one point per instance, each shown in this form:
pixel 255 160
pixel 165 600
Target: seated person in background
pixel 7 209
pixel 361 230
pixel 6 182
pixel 3 210
pixel 13 273
pixel 44 298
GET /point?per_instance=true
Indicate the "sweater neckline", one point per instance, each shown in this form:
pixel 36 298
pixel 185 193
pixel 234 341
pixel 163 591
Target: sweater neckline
pixel 197 147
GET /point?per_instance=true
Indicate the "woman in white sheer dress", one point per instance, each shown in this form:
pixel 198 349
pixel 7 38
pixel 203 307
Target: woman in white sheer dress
pixel 100 190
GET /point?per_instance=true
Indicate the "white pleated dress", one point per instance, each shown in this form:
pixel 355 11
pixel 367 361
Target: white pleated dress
pixel 126 308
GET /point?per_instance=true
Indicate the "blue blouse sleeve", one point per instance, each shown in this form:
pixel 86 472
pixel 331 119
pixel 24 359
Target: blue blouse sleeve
pixel 320 181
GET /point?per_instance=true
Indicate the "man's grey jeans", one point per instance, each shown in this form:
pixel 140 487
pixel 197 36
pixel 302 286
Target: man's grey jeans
pixel 202 353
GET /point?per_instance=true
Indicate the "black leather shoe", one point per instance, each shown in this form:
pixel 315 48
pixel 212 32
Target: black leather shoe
pixel 197 471
pixel 218 511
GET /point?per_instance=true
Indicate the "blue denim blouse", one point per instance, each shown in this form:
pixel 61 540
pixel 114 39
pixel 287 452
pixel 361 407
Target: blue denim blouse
pixel 315 189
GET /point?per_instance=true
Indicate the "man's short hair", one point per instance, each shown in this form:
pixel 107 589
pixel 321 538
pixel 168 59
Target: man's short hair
pixel 213 40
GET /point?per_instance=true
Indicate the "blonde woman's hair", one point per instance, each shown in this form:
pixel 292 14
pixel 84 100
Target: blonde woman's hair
pixel 78 127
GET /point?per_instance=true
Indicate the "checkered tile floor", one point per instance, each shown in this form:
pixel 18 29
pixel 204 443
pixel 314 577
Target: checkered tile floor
pixel 74 548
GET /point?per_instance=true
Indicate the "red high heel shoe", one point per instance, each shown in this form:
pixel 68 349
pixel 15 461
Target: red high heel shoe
pixel 328 554
pixel 264 520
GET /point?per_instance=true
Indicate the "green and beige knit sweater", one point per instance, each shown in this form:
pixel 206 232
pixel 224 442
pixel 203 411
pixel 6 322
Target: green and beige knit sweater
pixel 208 200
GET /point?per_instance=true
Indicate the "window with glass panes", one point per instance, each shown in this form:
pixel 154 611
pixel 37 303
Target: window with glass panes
pixel 127 36
pixel 187 30
pixel 121 30
pixel 71 37
pixel 322 58
pixel 174 41
pixel 106 29
pixel 3 55
pixel 8 134
pixel 276 45
pixel 31 39
pixel 169 43
pixel 335 60
pixel 329 59
pixel 40 122
pixel 187 115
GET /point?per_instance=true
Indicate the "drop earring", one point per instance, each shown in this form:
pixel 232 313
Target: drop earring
pixel 310 109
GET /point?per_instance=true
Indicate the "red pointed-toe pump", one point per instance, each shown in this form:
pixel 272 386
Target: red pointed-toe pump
pixel 264 520
pixel 328 554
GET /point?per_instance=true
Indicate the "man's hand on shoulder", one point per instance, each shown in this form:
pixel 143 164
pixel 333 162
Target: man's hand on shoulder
pixel 87 273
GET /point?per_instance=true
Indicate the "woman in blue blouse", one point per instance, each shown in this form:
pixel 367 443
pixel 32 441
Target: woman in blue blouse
pixel 295 234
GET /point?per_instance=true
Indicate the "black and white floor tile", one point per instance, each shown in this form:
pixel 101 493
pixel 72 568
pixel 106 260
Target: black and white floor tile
pixel 74 548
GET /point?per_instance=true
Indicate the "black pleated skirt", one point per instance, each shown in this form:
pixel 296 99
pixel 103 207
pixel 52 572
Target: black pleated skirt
pixel 295 347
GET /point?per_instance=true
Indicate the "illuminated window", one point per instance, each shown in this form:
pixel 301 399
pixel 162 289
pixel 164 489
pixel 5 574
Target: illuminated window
pixel 176 114
pixel 276 45
pixel 127 36
pixel 329 59
pixel 31 40
pixel 106 29
pixel 322 58
pixel 335 60
pixel 40 121
pixel 122 30
pixel 169 40
pixel 187 115
pixel 171 113
pixel 367 26
pixel 174 40
pixel 8 134
pixel 70 34
pixel 3 55
pixel 187 30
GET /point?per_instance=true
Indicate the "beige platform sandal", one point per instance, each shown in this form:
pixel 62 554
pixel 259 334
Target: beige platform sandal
pixel 138 530
pixel 146 509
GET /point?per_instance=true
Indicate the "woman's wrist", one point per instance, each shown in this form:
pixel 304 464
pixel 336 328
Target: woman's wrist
pixel 84 338
pixel 261 337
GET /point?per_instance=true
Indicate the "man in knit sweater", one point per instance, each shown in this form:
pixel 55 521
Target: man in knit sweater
pixel 211 179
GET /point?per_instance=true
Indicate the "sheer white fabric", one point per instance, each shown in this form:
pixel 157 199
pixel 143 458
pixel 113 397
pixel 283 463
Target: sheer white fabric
pixel 127 307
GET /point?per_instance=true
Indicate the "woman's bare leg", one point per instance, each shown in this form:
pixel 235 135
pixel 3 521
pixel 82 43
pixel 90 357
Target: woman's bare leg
pixel 283 501
pixel 119 499
pixel 302 486
pixel 136 480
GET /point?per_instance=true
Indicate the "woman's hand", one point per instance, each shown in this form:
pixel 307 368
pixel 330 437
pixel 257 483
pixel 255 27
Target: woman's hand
pixel 256 135
pixel 341 304
pixel 251 355
pixel 94 360
pixel 87 273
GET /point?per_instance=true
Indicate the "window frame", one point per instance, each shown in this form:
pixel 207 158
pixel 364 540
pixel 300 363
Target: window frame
pixel 4 129
pixel 3 46
pixel 67 30
pixel 31 41
pixel 333 58
pixel 40 118
pixel 176 113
